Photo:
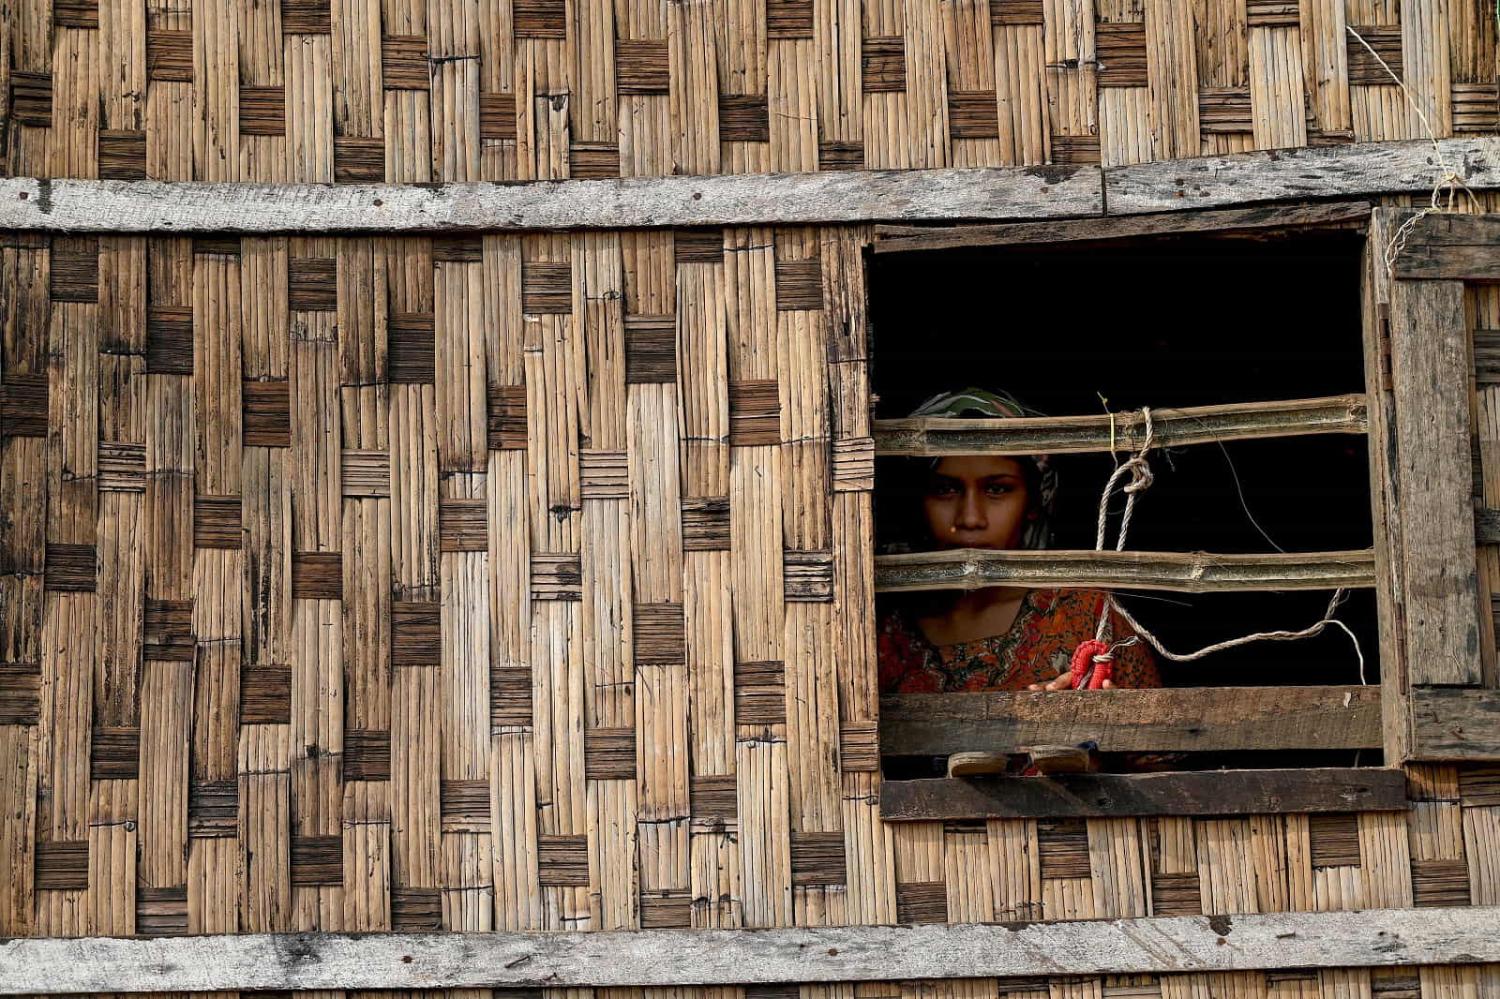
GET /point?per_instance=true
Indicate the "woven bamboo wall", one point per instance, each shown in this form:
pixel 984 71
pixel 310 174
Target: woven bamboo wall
pixel 460 90
pixel 508 582
pixel 515 582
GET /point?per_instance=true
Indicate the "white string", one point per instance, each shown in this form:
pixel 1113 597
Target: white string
pixel 1139 470
pixel 1451 180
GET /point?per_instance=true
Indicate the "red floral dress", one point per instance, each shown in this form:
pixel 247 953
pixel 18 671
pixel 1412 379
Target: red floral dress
pixel 1039 645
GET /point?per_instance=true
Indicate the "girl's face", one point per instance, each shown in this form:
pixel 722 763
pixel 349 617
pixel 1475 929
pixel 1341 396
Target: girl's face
pixel 977 501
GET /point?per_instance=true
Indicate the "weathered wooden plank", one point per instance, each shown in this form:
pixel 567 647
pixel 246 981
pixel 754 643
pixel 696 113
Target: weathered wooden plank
pixel 1385 510
pixel 1260 219
pixel 1451 248
pixel 1188 720
pixel 1342 414
pixel 1352 939
pixel 788 199
pixel 1431 372
pixel 1286 174
pixel 982 194
pixel 1182 572
pixel 1455 723
pixel 1216 792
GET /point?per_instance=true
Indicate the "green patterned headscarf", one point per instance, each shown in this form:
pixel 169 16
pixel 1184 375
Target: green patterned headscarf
pixel 972 403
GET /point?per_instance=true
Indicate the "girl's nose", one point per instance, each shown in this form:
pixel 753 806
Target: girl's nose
pixel 971 512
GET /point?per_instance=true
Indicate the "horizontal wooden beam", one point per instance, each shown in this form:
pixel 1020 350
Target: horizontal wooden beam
pixel 1450 248
pixel 1261 220
pixel 933 436
pixel 1302 174
pixel 1123 721
pixel 1181 572
pixel 739 199
pixel 990 194
pixel 1455 723
pixel 1205 792
pixel 1369 938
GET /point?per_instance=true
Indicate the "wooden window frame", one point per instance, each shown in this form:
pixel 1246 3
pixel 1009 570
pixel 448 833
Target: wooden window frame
pixel 1444 707
pixel 1165 720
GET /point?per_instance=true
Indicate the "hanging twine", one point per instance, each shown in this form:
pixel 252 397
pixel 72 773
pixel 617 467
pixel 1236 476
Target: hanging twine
pixel 1093 661
pixel 1452 181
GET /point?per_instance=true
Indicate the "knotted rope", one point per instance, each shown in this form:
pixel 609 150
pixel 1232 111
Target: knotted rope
pixel 1093 660
pixel 1451 180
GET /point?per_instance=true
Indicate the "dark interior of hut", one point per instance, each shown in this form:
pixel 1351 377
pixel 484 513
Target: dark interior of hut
pixel 1170 322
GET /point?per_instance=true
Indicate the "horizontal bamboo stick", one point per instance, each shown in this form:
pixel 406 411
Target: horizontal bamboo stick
pixel 935 436
pixel 1181 572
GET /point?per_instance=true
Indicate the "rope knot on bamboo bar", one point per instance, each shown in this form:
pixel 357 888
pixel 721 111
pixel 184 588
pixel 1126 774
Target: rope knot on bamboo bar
pixel 1092 661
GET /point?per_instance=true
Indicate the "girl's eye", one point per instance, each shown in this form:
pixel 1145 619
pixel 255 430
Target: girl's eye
pixel 999 489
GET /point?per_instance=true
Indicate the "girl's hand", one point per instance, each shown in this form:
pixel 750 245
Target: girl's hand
pixel 1064 681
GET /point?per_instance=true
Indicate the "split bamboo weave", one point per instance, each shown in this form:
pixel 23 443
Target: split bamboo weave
pixel 506 582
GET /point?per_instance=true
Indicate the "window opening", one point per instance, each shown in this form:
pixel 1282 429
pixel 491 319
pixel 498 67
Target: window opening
pixel 1165 322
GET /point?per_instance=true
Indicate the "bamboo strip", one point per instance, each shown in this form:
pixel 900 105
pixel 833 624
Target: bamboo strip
pixel 967 873
pixel 717 877
pixel 1325 61
pixel 1020 88
pixel 1118 868
pixel 358 95
pixel 661 737
pixel 812 718
pixel 165 720
pixel 120 590
pixel 468 893
pixel 367 868
pixel 792 100
pixel 216 887
pixel 265 854
pixel 926 86
pixel 837 35
pixel 1427 67
pixel 1481 842
pixel 765 886
pixel 1179 572
pixel 1172 72
pixel 465 668
pixel 1276 88
pixel 414 500
pixel 1122 432
pixel 558 710
pixel 655 498
pixel 216 153
pixel 610 691
pixel 703 374
pixel 869 853
pixel 710 661
pixel 416 743
pixel 20 751
pixel 513 831
pixel 612 822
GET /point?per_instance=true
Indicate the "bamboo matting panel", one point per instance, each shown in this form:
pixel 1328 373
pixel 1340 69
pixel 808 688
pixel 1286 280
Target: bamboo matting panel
pixel 468 90
pixel 508 582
